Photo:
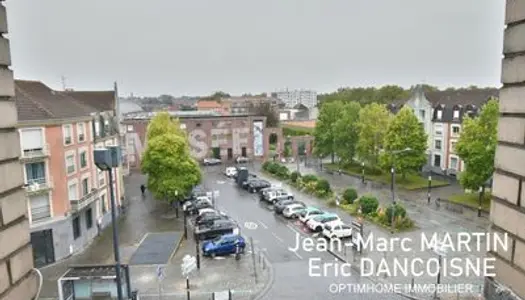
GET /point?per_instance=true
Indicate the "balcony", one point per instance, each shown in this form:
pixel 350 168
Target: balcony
pixel 38 185
pixel 35 154
pixel 77 205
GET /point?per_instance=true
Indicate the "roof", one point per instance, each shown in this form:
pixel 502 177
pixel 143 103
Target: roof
pixel 209 104
pixel 37 102
pixel 101 100
pixel 90 272
pixel 464 97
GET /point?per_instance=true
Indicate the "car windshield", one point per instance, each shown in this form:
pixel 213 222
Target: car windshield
pixel 303 213
pixel 329 219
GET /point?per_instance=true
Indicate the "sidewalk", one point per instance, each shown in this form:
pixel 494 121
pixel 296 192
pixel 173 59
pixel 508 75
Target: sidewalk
pixel 144 216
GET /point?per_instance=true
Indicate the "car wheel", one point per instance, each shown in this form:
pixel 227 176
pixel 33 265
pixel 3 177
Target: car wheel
pixel 318 229
pixel 290 198
pixel 254 191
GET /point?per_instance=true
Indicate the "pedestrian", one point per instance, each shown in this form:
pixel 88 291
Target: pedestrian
pixel 99 226
pixel 143 189
pixel 337 200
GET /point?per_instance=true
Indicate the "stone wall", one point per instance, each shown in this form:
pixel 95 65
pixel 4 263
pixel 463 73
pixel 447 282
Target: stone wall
pixel 17 281
pixel 508 205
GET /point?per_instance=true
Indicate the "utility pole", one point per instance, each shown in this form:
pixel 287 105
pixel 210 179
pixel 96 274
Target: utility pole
pixel 63 80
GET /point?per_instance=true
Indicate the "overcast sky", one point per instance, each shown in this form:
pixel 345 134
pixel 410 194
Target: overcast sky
pixel 195 47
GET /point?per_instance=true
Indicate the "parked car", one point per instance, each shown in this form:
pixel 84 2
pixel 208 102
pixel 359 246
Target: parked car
pixel 219 228
pixel 293 211
pixel 230 172
pixel 317 223
pixel 193 200
pixel 309 213
pixel 242 160
pixel 255 185
pixel 208 219
pixel 339 230
pixel 277 195
pixel 224 245
pixel 205 210
pixel 194 207
pixel 211 161
pixel 279 206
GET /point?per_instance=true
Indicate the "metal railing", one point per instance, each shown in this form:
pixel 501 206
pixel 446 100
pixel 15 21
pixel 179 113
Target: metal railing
pixel 35 153
pixel 84 200
pixel 34 185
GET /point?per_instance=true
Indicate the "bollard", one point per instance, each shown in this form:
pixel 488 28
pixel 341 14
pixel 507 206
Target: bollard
pixel 412 286
pixel 384 257
pixel 230 295
pixel 213 296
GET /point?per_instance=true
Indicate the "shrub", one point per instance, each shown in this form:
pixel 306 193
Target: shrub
pixel 403 223
pixel 331 202
pixel 294 176
pixel 372 170
pixel 368 204
pixel 399 212
pixel 309 178
pixel 323 185
pixel 282 171
pixel 273 167
pixel 350 195
pixel 266 164
pixel 311 186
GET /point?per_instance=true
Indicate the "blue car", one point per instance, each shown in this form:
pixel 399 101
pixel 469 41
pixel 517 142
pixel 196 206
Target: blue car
pixel 223 245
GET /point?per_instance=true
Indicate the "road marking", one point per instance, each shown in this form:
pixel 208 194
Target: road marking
pixel 278 238
pixel 295 230
pixel 263 225
pixel 435 222
pixel 297 254
pixel 250 225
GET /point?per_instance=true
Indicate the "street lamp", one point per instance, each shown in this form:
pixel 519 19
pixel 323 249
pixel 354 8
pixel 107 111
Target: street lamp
pixel 429 187
pixel 106 159
pixel 363 172
pixel 393 172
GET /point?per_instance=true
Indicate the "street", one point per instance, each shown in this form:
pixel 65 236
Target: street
pixel 274 235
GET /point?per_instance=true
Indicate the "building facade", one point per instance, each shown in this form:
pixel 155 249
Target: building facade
pixel 17 281
pixel 508 192
pixel 67 196
pixel 291 98
pixel 441 114
pixel 210 135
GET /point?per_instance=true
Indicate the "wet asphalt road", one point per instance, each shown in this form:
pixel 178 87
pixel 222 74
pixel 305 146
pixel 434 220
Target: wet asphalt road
pixel 275 236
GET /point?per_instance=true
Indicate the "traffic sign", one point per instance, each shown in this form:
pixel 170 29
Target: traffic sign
pixel 189 264
pixel 160 272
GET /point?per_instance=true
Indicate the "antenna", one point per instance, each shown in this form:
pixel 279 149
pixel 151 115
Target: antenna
pixel 63 79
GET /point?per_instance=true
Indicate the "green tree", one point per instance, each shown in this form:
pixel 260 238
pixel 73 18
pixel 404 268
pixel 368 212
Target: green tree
pixel 372 125
pixel 404 131
pixel 171 170
pixel 324 132
pixel 346 132
pixel 477 146
pixel 161 124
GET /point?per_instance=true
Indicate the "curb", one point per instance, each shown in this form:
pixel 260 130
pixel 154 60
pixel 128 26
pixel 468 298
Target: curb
pixel 269 282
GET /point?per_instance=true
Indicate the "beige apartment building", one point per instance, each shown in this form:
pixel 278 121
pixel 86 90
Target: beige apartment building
pixel 17 281
pixel 508 204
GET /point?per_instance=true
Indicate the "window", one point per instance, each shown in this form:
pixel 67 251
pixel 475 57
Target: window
pixel 81 130
pixel 130 128
pixel 103 206
pixel 67 135
pixel 101 178
pixel 83 159
pixel 36 173
pixel 422 114
pixel 437 160
pixel 439 114
pixel 89 218
pixel 70 164
pixel 454 163
pixel 76 228
pixel 455 130
pixel 72 191
pixel 456 114
pixel 453 146
pixel 437 144
pixel 85 186
pixel 198 125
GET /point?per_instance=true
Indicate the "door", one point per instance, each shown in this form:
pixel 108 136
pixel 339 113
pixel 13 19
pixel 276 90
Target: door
pixel 230 153
pixel 216 152
pixel 43 250
pixel 243 152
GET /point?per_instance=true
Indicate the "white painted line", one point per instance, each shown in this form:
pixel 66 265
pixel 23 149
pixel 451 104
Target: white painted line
pixel 297 254
pixel 263 225
pixel 278 238
pixel 294 230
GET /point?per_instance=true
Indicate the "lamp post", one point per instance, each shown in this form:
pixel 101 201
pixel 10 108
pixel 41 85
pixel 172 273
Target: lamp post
pixel 106 159
pixel 363 172
pixel 429 188
pixel 393 184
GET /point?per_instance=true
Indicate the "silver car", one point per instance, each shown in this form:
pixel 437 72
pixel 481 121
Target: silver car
pixel 211 161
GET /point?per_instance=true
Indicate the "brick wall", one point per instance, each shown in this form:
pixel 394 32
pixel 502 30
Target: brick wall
pixel 508 205
pixel 16 261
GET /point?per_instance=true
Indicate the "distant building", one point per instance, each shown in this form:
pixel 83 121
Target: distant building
pixel 441 114
pixel 218 106
pixel 66 193
pixel 298 113
pixel 292 98
pixel 237 105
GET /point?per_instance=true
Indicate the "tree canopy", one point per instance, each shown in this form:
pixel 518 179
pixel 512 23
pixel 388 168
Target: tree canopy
pixel 404 131
pixel 167 161
pixel 266 109
pixel 346 132
pixel 324 132
pixel 477 146
pixel 367 95
pixel 372 125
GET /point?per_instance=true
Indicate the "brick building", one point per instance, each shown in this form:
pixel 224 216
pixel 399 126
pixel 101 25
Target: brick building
pixel 67 195
pixel 17 281
pixel 508 192
pixel 210 135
